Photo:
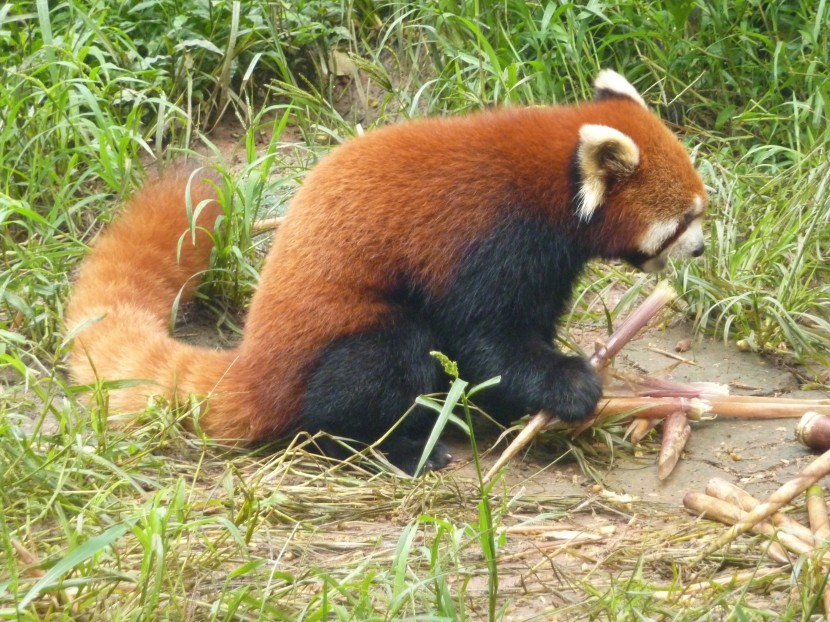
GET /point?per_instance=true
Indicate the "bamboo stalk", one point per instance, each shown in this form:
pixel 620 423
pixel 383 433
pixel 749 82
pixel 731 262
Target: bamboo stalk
pixel 676 431
pixel 663 293
pixel 786 493
pixel 650 408
pixel 726 491
pixel 724 406
pixel 769 409
pixel 761 400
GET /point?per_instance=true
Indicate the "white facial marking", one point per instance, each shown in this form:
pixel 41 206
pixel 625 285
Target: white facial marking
pixel 690 241
pixel 608 80
pixel 688 244
pixel 656 236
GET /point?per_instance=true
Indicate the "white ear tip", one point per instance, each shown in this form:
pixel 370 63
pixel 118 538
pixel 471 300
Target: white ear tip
pixel 602 150
pixel 610 81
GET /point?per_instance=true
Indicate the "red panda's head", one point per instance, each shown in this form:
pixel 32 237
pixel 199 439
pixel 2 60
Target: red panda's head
pixel 637 183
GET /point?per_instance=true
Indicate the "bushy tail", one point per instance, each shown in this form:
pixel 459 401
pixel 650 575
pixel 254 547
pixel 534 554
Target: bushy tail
pixel 120 309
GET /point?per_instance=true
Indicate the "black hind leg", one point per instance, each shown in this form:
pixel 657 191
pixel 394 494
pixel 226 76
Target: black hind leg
pixel 363 384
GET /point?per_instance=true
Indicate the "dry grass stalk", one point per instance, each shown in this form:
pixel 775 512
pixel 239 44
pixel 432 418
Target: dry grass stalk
pixel 603 355
pixel 727 491
pixel 734 579
pixel 676 431
pixel 786 493
pixel 817 511
pixel 28 558
pixel 267 224
pixel 725 512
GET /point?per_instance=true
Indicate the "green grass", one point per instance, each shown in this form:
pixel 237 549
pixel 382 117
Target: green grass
pixel 157 524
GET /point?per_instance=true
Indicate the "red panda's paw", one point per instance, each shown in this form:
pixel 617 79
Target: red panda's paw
pixel 575 389
pixel 405 453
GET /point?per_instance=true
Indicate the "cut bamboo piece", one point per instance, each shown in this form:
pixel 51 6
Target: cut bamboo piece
pixel 663 293
pixel 676 431
pixel 786 493
pixel 813 430
pixel 727 491
pixel 724 512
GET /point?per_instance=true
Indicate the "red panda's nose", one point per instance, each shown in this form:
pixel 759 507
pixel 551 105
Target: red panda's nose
pixel 697 252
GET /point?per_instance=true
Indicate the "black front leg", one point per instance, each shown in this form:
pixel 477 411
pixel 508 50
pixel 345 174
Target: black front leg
pixel 498 318
pixel 534 376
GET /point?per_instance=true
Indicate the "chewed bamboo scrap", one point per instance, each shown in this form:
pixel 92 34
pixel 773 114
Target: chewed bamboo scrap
pixel 639 428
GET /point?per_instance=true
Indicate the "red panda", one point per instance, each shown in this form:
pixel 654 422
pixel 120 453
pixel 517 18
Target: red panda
pixel 463 235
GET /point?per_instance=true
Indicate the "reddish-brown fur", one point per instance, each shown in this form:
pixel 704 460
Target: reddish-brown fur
pixel 373 210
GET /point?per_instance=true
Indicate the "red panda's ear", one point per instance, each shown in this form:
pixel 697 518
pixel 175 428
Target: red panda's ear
pixel 603 153
pixel 611 84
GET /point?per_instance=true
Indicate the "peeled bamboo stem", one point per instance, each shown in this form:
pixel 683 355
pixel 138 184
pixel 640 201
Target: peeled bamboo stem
pixel 659 407
pixel 772 408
